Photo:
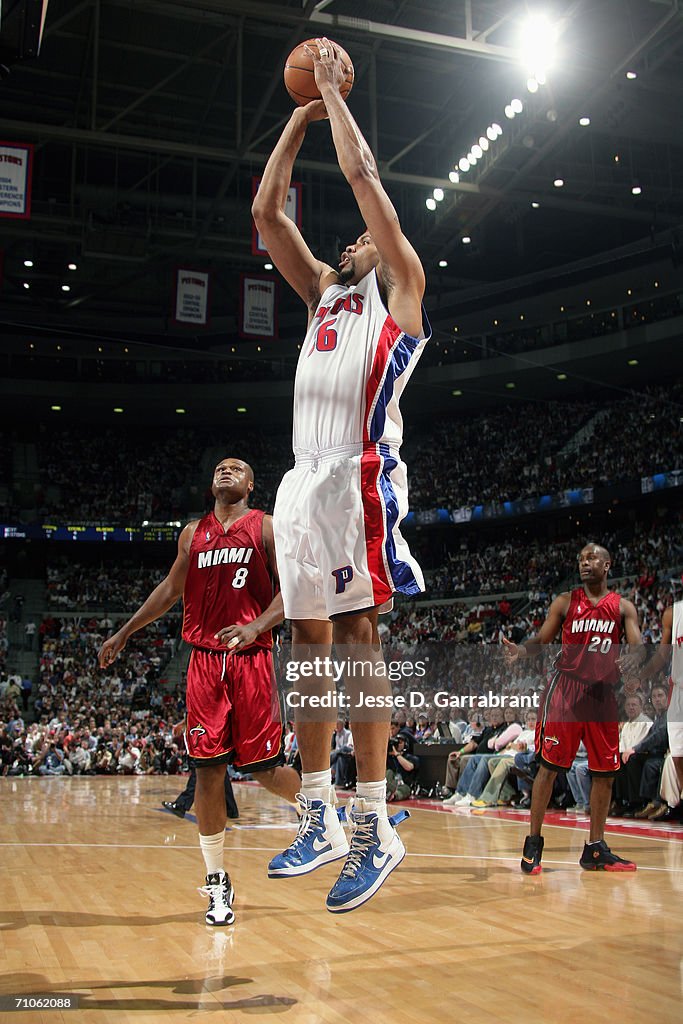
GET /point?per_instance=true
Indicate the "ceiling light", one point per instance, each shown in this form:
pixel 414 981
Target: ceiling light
pixel 484 143
pixel 559 182
pixel 491 133
pixel 241 408
pixel 656 284
pixel 267 266
pixel 180 412
pixel 588 302
pixel 430 203
pixel 632 362
pixel 532 84
pixel 72 266
pixel 466 239
pixel 456 393
pixel 537 44
pixel 629 291
pixel 26 284
pixel 535 206
pixel 521 316
pixel 561 309
pixel 495 323
pixel 562 376
pixel 472 159
pixel 584 121
pixel 438 194
pixel 510 385
pixel 478 151
pixel 464 164
pixel 509 112
pixel 636 190
pixel 56 408
pixel 28 263
pixel 454 177
pixel 443 263
pixel 616 158
pixel 66 288
pixel 631 75
pixel 117 408
pixel 497 129
pixel 517 106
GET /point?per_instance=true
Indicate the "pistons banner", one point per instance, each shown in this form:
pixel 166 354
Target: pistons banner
pixel 16 163
pixel 191 297
pixel 258 307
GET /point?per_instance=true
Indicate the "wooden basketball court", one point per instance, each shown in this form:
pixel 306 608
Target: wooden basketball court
pixel 98 898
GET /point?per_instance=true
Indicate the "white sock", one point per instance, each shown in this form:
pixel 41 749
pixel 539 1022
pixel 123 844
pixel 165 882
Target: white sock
pixel 373 793
pixel 317 786
pixel 212 851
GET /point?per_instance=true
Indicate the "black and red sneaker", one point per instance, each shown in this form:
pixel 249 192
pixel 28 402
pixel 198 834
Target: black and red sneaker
pixel 531 855
pixel 599 857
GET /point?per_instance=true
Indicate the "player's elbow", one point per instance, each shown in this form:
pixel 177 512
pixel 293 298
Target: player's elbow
pixel 263 212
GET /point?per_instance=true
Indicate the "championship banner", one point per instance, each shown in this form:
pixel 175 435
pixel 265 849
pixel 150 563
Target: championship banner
pixel 16 166
pixel 292 209
pixel 191 297
pixel 258 307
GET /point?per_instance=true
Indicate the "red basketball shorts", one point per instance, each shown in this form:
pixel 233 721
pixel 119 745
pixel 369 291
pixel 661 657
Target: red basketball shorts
pixel 572 711
pixel 233 709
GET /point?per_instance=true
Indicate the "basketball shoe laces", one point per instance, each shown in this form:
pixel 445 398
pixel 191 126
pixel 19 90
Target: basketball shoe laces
pixel 362 840
pixel 217 894
pixel 307 826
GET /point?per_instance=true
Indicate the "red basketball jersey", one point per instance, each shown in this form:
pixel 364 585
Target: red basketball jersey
pixel 591 635
pixel 228 580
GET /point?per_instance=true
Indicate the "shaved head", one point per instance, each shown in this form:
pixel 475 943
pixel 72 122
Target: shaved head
pixel 600 550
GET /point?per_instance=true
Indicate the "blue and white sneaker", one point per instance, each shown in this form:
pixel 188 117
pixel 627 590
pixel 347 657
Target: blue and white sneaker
pixel 376 849
pixel 320 839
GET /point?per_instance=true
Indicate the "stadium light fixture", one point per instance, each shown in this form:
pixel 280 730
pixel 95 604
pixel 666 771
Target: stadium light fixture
pixel 484 143
pixel 56 408
pixel 28 263
pixel 66 287
pixel 438 194
pixel 517 106
pixel 454 177
pixel 559 182
pixel 443 263
pixel 631 75
pixel 636 190
pixel 477 151
pixel 466 240
pixel 430 203
pixel 535 206
pixel 584 121
pixel 26 285
pixel 267 266
pixel 532 85
pixel 464 164
pixel 72 266
pixel 509 112
pixel 537 44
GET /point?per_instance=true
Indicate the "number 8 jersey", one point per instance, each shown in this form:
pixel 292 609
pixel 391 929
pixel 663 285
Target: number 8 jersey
pixel 353 367
pixel 591 635
pixel 228 579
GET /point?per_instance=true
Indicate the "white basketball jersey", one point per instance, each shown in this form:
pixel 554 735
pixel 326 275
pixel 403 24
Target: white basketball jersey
pixel 677 644
pixel 354 364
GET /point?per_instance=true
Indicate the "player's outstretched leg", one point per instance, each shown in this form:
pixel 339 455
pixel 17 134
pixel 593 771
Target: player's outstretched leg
pixel 531 855
pixel 221 895
pixel 320 839
pixel 597 856
pixel 376 849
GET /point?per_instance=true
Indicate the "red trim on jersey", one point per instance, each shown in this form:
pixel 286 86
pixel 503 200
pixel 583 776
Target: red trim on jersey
pixel 388 336
pixel 374 519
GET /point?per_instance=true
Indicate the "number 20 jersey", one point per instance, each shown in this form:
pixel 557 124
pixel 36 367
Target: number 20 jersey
pixel 353 366
pixel 591 635
pixel 228 580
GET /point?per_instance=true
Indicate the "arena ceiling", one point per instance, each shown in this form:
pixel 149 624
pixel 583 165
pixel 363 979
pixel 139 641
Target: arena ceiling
pixel 151 118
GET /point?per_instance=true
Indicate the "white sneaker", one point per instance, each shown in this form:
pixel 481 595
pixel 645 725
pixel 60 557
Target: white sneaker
pixel 221 894
pixel 463 801
pixel 452 800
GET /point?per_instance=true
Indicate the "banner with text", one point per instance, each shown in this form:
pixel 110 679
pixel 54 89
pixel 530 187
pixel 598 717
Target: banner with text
pixel 292 210
pixel 258 307
pixel 16 163
pixel 191 297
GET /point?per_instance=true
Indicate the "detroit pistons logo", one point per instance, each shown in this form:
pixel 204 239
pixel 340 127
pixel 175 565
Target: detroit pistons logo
pixel 343 577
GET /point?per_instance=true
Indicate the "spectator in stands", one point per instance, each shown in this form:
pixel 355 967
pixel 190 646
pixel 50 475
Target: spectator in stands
pixel 401 769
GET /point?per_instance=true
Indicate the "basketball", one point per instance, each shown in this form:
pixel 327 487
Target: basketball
pixel 300 79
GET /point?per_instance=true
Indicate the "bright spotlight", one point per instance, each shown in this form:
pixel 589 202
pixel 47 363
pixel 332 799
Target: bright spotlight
pixel 532 84
pixel 430 203
pixel 559 182
pixel 464 164
pixel 538 38
pixel 438 194
pixel 454 177
pixel 584 121
pixel 483 143
pixel 509 112
pixel 477 151
pixel 517 106
pixel 491 133
pixel 496 128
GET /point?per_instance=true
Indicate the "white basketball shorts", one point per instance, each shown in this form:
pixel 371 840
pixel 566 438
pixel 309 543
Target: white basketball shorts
pixel 337 539
pixel 674 720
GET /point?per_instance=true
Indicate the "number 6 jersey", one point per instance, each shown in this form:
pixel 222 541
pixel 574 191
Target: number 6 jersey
pixel 228 580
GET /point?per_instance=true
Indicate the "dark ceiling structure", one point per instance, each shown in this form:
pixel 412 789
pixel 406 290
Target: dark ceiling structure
pixel 151 118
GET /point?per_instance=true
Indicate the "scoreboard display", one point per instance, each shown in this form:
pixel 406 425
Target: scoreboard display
pixel 149 532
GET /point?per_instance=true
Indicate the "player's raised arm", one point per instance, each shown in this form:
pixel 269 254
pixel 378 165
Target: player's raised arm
pixel 163 597
pixel 402 271
pixel 283 240
pixel 546 634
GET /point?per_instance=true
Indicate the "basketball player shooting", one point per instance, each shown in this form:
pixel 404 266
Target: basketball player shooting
pixel 579 702
pixel 339 551
pixel 225 572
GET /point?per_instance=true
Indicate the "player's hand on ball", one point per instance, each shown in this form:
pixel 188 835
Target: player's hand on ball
pixel 236 638
pixel 314 111
pixel 328 66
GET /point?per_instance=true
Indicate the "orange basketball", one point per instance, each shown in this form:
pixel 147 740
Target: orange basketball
pixel 300 79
